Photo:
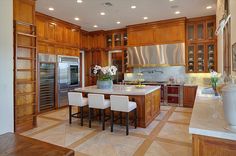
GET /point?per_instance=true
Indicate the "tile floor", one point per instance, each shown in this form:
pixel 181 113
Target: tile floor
pixel 167 135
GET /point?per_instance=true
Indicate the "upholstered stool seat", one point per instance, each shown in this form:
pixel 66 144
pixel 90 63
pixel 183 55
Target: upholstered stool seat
pixel 76 99
pixel 122 104
pixel 97 101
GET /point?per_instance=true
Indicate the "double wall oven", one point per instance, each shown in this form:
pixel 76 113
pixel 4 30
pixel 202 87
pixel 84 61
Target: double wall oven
pixel 68 77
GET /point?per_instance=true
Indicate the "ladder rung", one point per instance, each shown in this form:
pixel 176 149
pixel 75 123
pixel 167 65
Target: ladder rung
pixel 24 34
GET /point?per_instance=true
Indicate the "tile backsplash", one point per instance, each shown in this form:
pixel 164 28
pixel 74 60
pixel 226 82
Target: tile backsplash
pixel 161 73
pixel 164 73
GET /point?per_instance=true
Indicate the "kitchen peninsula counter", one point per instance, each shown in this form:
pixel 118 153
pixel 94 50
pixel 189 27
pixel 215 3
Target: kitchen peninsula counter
pixel 208 127
pixel 147 99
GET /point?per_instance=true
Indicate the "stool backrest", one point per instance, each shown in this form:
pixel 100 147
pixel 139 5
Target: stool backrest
pixel 96 100
pixel 75 98
pixel 119 102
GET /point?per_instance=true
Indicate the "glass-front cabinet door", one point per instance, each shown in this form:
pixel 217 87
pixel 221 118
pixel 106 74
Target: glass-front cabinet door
pixel 191 58
pixel 200 31
pixel 190 32
pixel 117 38
pixel 109 41
pixel 210 30
pixel 200 58
pixel 211 56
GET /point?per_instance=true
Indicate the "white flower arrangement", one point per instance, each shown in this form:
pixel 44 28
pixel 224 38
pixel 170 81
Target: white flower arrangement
pixel 104 73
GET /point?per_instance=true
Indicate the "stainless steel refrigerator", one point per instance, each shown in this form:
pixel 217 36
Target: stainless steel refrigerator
pixel 68 77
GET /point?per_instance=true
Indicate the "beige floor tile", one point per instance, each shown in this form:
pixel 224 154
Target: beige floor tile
pixel 161 115
pixel 64 135
pixel 177 132
pixel 41 124
pixel 167 149
pixel 166 108
pixel 109 144
pixel 62 114
pixel 183 109
pixel 180 117
pixel 138 130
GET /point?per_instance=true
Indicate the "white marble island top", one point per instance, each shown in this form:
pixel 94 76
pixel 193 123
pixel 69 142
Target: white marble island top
pixel 119 90
pixel 208 118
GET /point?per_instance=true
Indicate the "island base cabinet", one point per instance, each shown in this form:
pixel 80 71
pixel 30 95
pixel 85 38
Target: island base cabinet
pixel 209 146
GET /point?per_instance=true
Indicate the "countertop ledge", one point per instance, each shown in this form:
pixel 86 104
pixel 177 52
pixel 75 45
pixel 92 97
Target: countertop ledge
pixel 119 90
pixel 208 117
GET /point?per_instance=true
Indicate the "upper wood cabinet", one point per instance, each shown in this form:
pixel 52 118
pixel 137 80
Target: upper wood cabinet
pixel 162 32
pixel 116 39
pixel 201 45
pixel 56 31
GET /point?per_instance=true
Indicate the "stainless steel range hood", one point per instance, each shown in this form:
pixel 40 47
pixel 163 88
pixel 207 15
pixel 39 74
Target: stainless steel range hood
pixel 157 55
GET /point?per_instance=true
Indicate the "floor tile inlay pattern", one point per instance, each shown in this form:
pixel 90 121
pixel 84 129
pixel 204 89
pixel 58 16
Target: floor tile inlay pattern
pixel 167 135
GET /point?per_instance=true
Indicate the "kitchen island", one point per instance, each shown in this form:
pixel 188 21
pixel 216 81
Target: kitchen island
pixel 147 99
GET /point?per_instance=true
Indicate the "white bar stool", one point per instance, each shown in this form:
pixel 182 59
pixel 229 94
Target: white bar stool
pixel 122 104
pixel 97 101
pixel 76 99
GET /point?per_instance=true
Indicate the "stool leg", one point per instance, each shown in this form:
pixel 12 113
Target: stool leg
pixel 127 123
pixel 99 115
pixel 81 116
pixel 120 118
pixel 70 111
pixel 135 118
pixel 103 119
pixel 112 120
pixel 89 117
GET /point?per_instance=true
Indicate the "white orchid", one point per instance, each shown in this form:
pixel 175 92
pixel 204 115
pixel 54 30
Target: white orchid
pixel 214 73
pixel 105 72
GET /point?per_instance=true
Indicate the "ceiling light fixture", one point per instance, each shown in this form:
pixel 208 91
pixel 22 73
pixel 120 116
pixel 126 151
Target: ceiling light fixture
pixel 79 1
pixel 76 18
pixel 171 0
pixel 95 26
pixel 177 12
pixel 118 22
pixel 133 7
pixel 209 7
pixel 102 13
pixel 50 9
pixel 145 18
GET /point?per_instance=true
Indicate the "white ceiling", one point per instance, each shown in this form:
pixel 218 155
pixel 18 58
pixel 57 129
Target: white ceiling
pixel 89 11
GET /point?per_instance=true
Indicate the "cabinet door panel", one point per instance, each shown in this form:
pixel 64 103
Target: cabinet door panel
pixel 51 31
pixel 59 33
pixel 141 37
pixel 41 29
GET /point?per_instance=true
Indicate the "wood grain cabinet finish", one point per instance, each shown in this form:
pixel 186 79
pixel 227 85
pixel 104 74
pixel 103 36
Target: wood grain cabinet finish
pixel 189 96
pixel 161 32
pixel 209 146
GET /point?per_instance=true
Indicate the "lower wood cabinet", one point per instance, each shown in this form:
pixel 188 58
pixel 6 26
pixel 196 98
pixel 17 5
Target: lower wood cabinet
pixel 209 146
pixel 189 96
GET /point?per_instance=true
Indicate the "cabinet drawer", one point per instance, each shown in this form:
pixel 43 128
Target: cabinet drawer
pixel 172 99
pixel 173 90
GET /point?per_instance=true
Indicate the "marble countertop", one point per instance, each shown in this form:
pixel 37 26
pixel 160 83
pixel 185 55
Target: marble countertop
pixel 119 90
pixel 208 117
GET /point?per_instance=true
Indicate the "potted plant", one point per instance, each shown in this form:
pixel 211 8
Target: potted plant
pixel 104 76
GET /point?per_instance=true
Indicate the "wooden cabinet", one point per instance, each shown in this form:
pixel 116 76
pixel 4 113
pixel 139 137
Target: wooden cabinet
pixel 201 51
pixel 97 40
pixel 84 40
pixel 116 39
pixel 55 31
pixel 189 96
pixel 161 32
pixel 209 146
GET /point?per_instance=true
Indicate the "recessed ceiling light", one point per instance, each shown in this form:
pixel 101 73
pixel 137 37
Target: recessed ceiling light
pixel 133 7
pixel 102 13
pixel 171 0
pixel 209 7
pixel 51 9
pixel 79 1
pixel 95 26
pixel 118 22
pixel 76 18
pixel 145 18
pixel 177 12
